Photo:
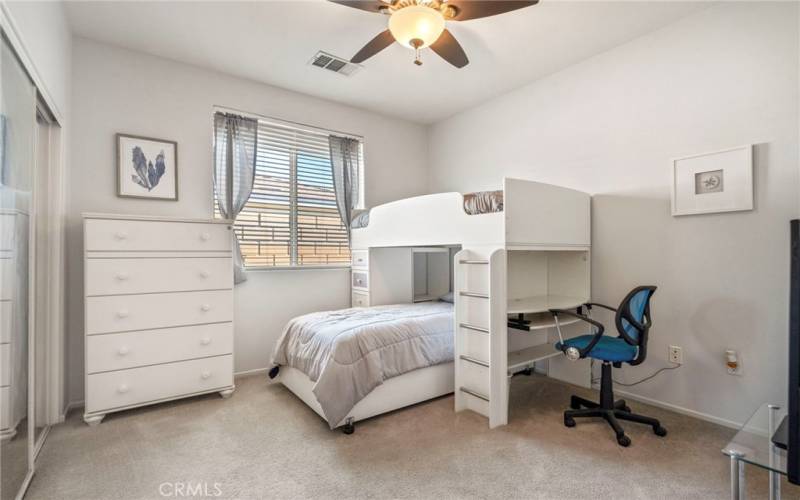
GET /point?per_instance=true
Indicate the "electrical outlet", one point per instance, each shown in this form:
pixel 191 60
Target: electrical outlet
pixel 675 354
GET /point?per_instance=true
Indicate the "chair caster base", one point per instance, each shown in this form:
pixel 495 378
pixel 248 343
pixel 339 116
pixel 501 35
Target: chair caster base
pixel 624 440
pixel 660 431
pixel 569 422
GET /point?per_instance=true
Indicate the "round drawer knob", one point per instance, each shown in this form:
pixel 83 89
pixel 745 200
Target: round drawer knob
pixel 122 313
pixel 204 274
pixel 123 350
pixel 205 340
pixel 121 235
pixel 206 374
pixel 205 307
pixel 122 389
pixel 205 236
pixel 122 276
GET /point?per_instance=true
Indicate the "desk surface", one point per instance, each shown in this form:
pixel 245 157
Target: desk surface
pixel 753 442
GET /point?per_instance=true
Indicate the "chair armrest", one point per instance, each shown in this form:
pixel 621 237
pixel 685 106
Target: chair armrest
pixel 600 329
pixel 592 304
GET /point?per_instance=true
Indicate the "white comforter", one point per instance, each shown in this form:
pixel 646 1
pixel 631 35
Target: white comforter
pixel 348 353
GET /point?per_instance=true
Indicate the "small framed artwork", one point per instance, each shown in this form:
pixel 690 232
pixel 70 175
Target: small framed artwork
pixel 147 168
pixel 721 181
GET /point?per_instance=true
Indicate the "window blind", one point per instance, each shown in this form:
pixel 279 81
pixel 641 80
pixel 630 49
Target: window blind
pixel 291 217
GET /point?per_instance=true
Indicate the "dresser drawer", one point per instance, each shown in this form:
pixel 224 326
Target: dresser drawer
pixel 119 351
pixel 5 364
pixel 119 313
pixel 8 278
pixel 360 258
pixel 360 299
pixel 137 235
pixel 125 276
pixel 6 321
pixel 5 407
pixel 360 279
pixel 110 390
pixel 7 228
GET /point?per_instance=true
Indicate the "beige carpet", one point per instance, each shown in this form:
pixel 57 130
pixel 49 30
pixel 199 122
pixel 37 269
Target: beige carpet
pixel 265 443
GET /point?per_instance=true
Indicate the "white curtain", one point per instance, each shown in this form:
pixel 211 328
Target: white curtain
pixel 235 140
pixel 345 167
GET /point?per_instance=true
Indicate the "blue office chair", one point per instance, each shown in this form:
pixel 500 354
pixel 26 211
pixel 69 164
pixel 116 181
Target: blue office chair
pixel 633 323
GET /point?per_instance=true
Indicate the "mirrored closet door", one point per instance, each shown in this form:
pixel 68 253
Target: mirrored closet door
pixel 17 166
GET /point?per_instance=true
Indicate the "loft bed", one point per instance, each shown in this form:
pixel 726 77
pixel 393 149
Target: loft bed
pixel 530 215
pixel 519 251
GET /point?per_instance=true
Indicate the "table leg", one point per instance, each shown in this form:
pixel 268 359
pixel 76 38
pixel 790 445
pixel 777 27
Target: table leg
pixel 742 483
pixel 737 478
pixel 774 477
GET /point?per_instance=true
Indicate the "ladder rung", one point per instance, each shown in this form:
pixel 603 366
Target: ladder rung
pixel 469 261
pixel 474 294
pixel 474 360
pixel 473 393
pixel 473 327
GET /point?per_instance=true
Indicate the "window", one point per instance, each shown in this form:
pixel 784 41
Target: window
pixel 291 217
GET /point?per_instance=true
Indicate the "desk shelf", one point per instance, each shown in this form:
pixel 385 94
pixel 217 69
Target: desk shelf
pixel 519 360
pixel 543 303
pixel 541 321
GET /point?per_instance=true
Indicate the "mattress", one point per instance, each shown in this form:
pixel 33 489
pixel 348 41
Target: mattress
pixel 480 202
pixel 349 352
pixel 483 202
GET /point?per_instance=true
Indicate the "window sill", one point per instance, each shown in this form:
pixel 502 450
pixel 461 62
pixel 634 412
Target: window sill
pixel 297 268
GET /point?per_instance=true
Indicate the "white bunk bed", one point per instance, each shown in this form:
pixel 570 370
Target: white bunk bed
pixel 531 256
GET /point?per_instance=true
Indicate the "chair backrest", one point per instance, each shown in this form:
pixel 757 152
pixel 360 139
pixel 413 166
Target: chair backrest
pixel 633 319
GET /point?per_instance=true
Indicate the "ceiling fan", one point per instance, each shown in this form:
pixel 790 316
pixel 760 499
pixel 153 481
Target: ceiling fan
pixel 417 24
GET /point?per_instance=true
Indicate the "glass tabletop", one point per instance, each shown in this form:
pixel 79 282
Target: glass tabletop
pixel 753 443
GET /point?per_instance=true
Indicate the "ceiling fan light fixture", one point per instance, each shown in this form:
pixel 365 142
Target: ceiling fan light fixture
pixel 416 23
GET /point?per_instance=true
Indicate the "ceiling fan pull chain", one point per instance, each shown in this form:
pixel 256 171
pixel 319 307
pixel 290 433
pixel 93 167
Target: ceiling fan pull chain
pixel 417 44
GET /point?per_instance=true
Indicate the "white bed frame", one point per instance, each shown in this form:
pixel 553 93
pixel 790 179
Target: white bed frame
pixel 532 256
pixel 395 393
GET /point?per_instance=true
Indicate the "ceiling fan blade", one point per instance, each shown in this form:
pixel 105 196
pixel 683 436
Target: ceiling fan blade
pixel 374 46
pixel 368 5
pixel 450 50
pixel 475 9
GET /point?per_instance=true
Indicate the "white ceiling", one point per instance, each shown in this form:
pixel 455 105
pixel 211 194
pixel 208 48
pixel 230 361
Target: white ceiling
pixel 272 42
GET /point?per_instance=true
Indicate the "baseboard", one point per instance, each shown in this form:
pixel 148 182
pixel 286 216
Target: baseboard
pixel 72 405
pixel 680 409
pixel 250 372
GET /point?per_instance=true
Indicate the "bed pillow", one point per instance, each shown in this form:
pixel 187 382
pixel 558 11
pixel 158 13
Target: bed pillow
pixel 448 297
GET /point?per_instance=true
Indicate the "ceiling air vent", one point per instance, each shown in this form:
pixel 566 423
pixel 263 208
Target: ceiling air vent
pixel 332 63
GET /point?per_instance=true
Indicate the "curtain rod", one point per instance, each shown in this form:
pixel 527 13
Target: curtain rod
pixel 310 128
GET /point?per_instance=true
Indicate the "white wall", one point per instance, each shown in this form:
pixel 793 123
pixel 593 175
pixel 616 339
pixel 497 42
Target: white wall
pixel 116 90
pixel 47 39
pixel 724 77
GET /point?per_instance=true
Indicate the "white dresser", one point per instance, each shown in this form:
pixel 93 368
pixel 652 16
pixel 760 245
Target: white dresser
pixel 158 311
pixel 13 320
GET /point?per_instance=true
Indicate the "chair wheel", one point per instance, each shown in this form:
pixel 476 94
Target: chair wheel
pixel 660 431
pixel 624 440
pixel 348 428
pixel 569 421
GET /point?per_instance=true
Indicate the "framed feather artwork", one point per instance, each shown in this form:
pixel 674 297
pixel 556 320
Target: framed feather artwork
pixel 147 168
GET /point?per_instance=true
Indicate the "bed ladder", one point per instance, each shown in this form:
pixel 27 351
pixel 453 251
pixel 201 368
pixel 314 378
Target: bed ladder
pixel 481 380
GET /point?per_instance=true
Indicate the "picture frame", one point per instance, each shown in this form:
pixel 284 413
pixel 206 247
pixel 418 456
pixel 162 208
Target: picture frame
pixel 147 167
pixel 715 182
